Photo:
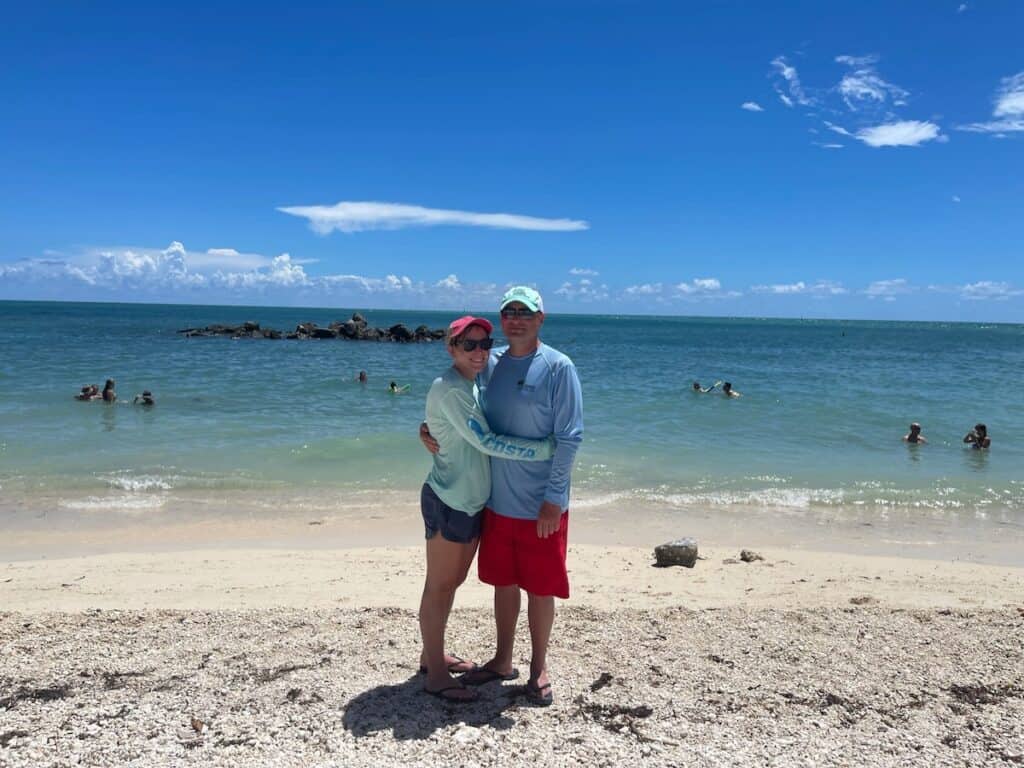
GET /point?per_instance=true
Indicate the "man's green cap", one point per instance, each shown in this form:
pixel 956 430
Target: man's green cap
pixel 525 295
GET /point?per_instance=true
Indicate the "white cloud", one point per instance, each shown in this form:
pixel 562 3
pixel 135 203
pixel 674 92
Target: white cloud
pixel 961 8
pixel 864 84
pixel 583 290
pixel 837 128
pixel 983 290
pixel 819 288
pixel 646 289
pixel 751 106
pixel 362 216
pixel 905 133
pixel 1009 109
pixel 788 73
pixel 584 271
pixel 830 146
pixel 888 290
pixel 956 198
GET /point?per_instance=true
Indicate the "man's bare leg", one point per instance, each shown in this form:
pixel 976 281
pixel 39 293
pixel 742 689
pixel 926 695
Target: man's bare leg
pixel 506 614
pixel 540 611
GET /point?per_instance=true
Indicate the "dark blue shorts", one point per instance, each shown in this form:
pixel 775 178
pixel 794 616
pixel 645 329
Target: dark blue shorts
pixel 453 524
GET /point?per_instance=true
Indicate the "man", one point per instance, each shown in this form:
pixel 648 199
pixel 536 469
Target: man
pixel 529 390
pixel 914 435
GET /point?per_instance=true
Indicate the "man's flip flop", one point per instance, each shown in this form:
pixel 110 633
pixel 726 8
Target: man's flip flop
pixel 539 696
pixel 443 693
pixel 453 668
pixel 483 675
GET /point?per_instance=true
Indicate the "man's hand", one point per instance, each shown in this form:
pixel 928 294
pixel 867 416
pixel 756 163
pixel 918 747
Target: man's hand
pixel 549 519
pixel 427 439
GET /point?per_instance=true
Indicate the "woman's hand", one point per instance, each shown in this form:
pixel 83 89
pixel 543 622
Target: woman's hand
pixel 427 439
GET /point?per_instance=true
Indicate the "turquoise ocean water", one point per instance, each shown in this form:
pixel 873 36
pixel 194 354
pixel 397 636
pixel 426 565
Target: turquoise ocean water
pixel 825 404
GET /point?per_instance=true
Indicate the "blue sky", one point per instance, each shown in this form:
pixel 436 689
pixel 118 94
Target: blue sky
pixel 721 158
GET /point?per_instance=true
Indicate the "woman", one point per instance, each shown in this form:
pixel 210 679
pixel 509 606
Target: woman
pixel 456 491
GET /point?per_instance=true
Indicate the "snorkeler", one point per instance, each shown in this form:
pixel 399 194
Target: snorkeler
pixel 704 390
pixel 89 392
pixel 914 436
pixel 728 391
pixel 978 437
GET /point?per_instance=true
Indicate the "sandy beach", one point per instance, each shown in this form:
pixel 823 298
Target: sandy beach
pixel 169 652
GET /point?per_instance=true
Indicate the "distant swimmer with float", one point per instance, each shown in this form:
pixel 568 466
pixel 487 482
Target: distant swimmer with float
pixel 89 392
pixel 728 391
pixel 394 389
pixel 698 389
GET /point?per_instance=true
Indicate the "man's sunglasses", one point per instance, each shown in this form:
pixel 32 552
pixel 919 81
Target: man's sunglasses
pixel 469 345
pixel 522 312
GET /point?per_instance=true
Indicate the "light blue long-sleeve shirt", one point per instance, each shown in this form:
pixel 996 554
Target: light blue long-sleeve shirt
pixel 461 475
pixel 532 396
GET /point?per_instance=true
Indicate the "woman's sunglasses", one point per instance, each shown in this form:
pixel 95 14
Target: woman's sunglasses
pixel 469 345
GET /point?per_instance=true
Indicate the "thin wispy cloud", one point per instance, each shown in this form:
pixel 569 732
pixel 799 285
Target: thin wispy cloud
pixel 863 85
pixel 788 86
pixel 961 8
pixel 888 290
pixel 363 216
pixel 1008 109
pixel 956 198
pixel 644 289
pixel 818 288
pixel 584 272
pixel 983 290
pixel 584 290
pixel 863 99
pixel 751 106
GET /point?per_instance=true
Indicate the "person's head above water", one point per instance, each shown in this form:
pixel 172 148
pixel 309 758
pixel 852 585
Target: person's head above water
pixel 915 427
pixel 727 386
pixel 981 430
pixel 696 386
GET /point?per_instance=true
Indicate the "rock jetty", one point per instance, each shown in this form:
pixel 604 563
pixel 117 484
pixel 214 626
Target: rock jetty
pixel 354 329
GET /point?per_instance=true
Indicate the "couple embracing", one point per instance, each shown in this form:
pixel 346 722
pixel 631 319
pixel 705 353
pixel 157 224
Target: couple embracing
pixel 503 426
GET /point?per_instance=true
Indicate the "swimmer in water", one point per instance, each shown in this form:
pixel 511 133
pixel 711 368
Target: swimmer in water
pixel 697 388
pixel 914 436
pixel 109 395
pixel 361 378
pixel 978 437
pixel 728 391
pixel 394 389
pixel 89 392
pixel 146 398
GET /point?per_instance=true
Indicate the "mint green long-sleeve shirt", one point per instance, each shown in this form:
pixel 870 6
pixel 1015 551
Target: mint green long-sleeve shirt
pixel 461 475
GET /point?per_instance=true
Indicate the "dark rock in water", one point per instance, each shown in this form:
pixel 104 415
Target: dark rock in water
pixel 679 552
pixel 400 333
pixel 354 328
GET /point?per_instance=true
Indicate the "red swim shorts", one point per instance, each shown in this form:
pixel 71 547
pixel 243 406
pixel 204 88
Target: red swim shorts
pixel 511 553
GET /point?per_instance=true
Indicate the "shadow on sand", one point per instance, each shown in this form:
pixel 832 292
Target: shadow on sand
pixel 409 713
